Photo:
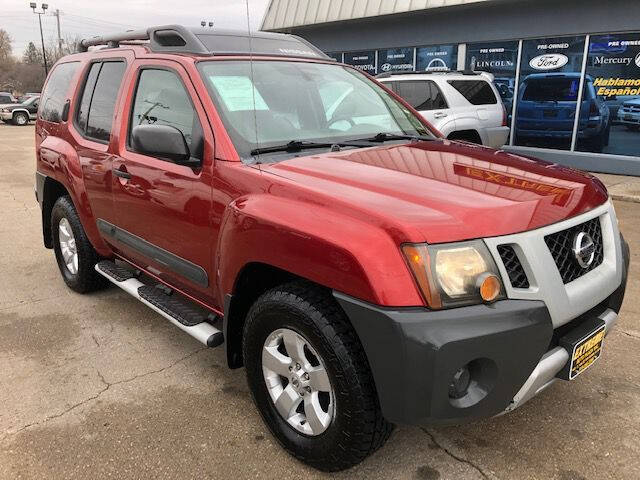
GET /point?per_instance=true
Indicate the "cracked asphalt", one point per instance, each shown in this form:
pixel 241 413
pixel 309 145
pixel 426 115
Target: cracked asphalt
pixel 98 386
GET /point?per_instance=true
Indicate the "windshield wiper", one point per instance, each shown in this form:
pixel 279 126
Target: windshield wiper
pixel 385 136
pixel 298 145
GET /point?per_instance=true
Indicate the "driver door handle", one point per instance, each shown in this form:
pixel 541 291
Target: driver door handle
pixel 121 173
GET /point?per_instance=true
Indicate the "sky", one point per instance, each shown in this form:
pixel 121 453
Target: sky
pixel 97 17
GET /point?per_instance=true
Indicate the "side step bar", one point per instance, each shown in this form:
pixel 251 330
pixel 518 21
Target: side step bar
pixel 171 307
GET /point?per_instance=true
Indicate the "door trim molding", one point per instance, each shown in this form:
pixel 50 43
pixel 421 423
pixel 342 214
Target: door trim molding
pixel 184 268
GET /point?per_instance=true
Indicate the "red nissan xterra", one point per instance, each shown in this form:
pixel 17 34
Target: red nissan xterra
pixel 365 271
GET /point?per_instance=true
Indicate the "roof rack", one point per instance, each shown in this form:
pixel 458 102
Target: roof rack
pixel 200 41
pixel 428 72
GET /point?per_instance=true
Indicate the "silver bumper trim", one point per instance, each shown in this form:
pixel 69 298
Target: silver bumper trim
pixel 550 364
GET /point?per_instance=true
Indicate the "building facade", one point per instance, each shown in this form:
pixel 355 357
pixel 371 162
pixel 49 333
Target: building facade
pixel 544 55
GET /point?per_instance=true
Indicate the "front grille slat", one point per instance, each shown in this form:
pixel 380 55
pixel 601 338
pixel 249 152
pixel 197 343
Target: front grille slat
pixel 561 247
pixel 517 275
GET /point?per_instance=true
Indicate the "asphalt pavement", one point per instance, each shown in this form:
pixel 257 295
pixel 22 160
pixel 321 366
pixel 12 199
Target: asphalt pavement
pixel 98 386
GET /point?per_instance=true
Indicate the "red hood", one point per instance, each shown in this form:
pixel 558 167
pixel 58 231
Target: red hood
pixel 443 191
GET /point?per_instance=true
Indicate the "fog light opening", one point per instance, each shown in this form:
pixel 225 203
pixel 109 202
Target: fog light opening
pixel 459 385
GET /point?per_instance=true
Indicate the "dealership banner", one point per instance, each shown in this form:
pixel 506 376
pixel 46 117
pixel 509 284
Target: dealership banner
pixel 437 57
pixel 395 60
pixel 547 101
pixel 498 58
pixel 614 64
pixel 365 61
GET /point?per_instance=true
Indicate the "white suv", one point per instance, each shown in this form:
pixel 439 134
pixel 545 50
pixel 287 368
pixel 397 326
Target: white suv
pixel 462 105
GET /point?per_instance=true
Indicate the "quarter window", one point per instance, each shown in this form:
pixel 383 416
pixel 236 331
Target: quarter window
pixel 54 95
pixel 162 99
pixel 477 92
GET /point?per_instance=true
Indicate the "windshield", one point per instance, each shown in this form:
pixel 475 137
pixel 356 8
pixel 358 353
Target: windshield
pixel 271 103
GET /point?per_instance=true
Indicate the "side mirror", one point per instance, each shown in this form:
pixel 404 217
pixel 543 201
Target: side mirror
pixel 163 141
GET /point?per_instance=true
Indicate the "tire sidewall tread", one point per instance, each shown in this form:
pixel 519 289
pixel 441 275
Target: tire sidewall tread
pixel 358 428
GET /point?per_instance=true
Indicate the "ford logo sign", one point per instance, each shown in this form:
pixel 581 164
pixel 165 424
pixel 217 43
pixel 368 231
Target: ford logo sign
pixel 549 61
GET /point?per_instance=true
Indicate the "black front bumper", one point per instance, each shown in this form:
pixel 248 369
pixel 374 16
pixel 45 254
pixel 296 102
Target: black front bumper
pixel 415 352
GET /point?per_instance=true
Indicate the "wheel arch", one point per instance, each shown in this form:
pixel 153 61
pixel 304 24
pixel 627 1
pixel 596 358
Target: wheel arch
pixel 470 135
pixel 253 280
pixel 51 191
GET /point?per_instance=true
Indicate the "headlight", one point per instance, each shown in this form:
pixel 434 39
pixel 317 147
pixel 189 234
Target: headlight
pixel 455 274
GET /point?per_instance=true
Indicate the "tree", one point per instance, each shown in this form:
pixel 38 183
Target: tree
pixel 31 55
pixel 5 47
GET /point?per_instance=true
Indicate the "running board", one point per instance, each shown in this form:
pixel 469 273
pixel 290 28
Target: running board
pixel 170 306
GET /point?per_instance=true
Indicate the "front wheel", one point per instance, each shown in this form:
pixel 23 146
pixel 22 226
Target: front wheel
pixel 75 255
pixel 310 379
pixel 20 119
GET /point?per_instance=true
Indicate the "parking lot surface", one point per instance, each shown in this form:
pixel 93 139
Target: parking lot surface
pixel 98 386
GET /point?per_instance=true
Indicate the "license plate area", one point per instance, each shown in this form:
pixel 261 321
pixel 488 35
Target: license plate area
pixel 584 345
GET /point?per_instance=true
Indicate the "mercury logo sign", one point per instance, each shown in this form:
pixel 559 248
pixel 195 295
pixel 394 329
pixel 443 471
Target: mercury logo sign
pixel 549 61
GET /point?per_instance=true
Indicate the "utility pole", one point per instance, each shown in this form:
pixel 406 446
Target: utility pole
pixel 44 53
pixel 57 14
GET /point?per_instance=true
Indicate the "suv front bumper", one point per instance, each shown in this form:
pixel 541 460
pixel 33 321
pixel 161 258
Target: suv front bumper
pixel 414 354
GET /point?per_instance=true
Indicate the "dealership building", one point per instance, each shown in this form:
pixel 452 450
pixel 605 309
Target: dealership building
pixel 543 55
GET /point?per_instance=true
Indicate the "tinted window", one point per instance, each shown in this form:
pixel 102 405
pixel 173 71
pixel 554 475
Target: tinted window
pixel 54 95
pixel 417 94
pixel 162 99
pixel 437 97
pixel 4 99
pixel 103 100
pixel 477 92
pixel 549 89
pixel 421 94
pixel 85 102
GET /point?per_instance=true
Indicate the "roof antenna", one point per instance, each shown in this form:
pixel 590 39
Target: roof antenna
pixel 253 87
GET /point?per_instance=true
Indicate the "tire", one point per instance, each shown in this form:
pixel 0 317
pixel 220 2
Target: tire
pixel 21 119
pixel 81 275
pixel 357 427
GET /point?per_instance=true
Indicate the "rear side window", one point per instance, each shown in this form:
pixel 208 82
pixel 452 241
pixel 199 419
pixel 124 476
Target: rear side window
pixel 54 95
pixel 162 99
pixel 477 92
pixel 95 114
pixel 421 94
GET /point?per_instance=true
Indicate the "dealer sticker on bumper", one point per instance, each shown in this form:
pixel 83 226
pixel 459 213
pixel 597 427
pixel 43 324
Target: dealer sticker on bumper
pixel 584 346
pixel 586 352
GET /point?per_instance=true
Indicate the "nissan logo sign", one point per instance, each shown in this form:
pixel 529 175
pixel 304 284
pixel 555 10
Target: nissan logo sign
pixel 584 250
pixel 549 61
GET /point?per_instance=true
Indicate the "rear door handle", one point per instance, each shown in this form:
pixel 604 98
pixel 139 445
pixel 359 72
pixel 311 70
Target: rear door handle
pixel 122 174
pixel 440 115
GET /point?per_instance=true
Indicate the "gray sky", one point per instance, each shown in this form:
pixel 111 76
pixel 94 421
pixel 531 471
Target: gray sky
pixel 90 17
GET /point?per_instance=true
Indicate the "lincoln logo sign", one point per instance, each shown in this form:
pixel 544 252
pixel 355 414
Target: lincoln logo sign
pixel 549 61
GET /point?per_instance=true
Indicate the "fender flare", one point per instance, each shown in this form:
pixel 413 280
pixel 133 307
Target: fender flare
pixel 63 166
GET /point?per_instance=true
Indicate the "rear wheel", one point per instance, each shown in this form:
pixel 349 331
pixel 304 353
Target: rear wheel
pixel 75 255
pixel 20 119
pixel 310 378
